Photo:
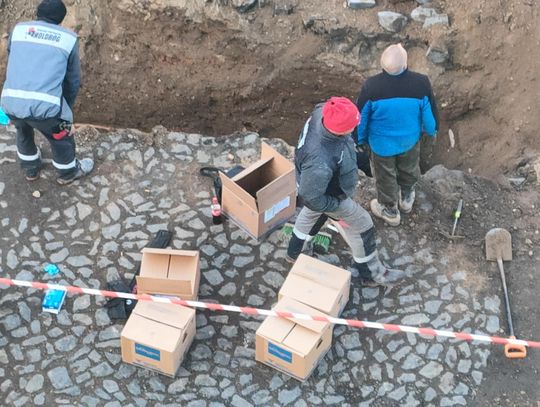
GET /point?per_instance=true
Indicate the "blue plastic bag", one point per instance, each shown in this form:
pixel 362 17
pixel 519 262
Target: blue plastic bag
pixel 4 120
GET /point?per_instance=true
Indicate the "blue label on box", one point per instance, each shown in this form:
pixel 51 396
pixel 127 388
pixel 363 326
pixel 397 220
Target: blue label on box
pixel 278 352
pixel 148 352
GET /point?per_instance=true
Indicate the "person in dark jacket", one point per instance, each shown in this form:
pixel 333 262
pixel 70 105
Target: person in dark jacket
pixel 397 106
pixel 42 82
pixel 327 178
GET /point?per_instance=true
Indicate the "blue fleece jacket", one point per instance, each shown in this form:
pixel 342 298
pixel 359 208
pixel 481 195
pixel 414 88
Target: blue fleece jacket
pixel 395 111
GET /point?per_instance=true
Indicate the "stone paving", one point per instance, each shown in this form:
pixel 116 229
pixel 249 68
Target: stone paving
pixel 94 230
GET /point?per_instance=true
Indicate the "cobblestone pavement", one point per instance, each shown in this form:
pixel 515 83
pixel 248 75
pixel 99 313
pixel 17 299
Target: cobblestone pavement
pixel 94 231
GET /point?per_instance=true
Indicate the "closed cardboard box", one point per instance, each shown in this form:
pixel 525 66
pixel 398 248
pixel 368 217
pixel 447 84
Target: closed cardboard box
pixel 294 347
pixel 169 272
pixel 157 336
pixel 263 196
pixel 318 284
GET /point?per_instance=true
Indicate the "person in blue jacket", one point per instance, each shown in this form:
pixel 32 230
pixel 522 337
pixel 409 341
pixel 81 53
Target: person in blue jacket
pixel 42 81
pixel 397 106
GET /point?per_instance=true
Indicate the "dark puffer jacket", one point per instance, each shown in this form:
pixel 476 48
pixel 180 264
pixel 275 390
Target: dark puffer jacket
pixel 326 170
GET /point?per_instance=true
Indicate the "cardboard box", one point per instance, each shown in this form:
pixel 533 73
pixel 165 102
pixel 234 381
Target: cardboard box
pixel 318 284
pixel 169 272
pixel 263 196
pixel 157 336
pixel 294 347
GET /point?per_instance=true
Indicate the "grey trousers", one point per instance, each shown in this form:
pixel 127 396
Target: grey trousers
pixel 394 173
pixel 63 150
pixel 353 223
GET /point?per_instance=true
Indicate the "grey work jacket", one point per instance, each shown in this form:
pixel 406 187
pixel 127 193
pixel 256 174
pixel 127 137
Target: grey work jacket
pixel 326 168
pixel 43 72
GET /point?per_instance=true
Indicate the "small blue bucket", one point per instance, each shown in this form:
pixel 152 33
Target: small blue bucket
pixel 4 120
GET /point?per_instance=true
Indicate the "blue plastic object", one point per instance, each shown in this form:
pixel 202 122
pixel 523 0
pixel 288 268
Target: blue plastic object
pixel 51 269
pixel 53 300
pixel 4 120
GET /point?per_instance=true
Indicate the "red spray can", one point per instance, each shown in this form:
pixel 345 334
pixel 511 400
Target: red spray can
pixel 216 211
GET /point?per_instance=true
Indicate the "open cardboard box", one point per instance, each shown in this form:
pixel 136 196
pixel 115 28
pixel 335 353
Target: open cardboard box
pixel 263 196
pixel 294 346
pixel 169 272
pixel 157 336
pixel 318 284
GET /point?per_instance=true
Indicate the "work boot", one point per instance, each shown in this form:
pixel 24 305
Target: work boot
pixel 32 174
pixel 84 167
pixel 32 168
pixel 389 215
pixel 374 273
pixel 295 248
pixel 406 201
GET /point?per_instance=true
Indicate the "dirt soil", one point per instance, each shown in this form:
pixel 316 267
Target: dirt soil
pixel 203 66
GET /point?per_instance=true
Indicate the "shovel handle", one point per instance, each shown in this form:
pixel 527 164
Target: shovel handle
pixel 506 299
pixel 512 351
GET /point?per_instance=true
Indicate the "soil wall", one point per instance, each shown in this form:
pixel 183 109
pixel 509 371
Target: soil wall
pixel 217 67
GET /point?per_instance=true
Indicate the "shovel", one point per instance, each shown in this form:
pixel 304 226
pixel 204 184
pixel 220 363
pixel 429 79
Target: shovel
pixel 499 248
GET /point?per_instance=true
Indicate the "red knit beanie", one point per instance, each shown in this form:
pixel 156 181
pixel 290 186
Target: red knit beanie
pixel 340 115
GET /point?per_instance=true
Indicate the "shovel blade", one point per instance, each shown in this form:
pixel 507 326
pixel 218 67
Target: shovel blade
pixel 498 244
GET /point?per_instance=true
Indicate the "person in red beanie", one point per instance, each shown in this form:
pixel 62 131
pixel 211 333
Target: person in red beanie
pixel 327 177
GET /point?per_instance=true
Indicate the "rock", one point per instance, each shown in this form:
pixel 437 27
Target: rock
pixel 412 362
pixel 492 325
pixel 447 382
pixel 60 256
pixel 243 6
pixel 279 9
pixel 431 370
pixel 36 194
pixel 443 180
pixel 415 319
pixel 438 54
pixel 391 21
pixel 35 384
pixel 517 181
pixel 361 4
pixel 59 378
pixel 439 19
pixel 102 370
pixel 213 277
pixel 421 13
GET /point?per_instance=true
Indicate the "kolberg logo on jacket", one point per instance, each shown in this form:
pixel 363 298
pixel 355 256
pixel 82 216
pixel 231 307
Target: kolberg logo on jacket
pixel 41 33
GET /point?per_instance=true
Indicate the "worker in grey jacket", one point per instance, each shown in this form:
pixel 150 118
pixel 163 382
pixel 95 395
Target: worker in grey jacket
pixel 42 82
pixel 327 177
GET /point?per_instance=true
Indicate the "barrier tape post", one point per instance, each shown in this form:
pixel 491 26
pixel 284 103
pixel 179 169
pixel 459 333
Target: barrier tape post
pixel 257 311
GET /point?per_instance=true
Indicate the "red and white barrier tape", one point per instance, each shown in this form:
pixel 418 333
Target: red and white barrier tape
pixel 256 311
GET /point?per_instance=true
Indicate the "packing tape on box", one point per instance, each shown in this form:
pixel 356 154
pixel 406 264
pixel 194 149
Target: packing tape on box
pixel 257 311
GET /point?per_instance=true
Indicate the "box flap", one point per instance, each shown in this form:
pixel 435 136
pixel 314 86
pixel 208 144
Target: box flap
pixel 184 269
pixel 323 273
pixel 151 333
pixel 276 190
pixel 189 253
pixel 238 191
pixel 275 329
pixel 252 168
pixel 303 340
pixel 281 163
pixel 154 264
pixel 310 292
pixel 173 315
pixel 290 305
pixel 283 183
